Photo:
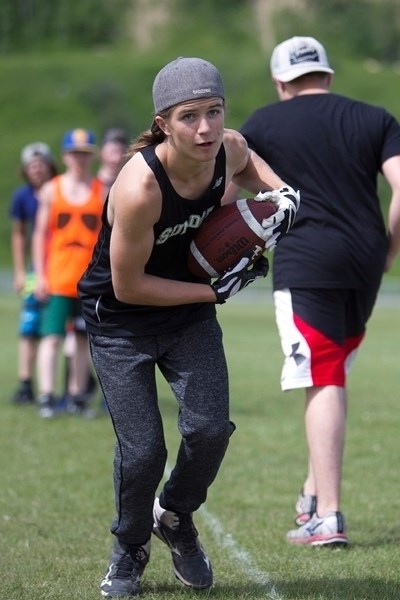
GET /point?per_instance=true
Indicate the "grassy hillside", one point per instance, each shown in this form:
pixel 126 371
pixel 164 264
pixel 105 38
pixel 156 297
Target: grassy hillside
pixel 42 95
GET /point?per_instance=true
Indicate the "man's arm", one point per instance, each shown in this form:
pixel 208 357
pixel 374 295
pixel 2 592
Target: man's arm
pixel 257 175
pixel 253 174
pixel 245 169
pixel 391 172
pixel 39 238
pixel 18 248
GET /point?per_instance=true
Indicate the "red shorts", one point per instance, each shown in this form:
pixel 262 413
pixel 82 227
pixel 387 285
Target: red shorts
pixel 320 332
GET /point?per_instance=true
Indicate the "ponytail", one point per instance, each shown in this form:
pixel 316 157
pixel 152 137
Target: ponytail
pixel 149 137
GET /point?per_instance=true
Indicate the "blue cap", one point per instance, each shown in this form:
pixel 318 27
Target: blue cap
pixel 79 140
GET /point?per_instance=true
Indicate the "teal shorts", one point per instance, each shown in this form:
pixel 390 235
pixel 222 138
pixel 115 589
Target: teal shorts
pixel 57 313
pixel 29 320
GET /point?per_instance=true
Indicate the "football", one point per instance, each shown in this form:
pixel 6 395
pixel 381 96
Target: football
pixel 229 232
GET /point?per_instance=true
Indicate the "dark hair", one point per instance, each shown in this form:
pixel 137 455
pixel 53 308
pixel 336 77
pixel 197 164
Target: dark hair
pixel 314 75
pixel 116 134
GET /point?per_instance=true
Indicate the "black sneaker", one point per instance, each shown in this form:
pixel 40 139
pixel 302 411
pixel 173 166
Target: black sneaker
pixel 47 406
pixel 24 394
pixel 127 564
pixel 79 405
pixel 91 388
pixel 190 562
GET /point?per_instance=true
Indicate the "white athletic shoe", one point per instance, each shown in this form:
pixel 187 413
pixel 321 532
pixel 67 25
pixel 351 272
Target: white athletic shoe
pixel 306 506
pixel 321 531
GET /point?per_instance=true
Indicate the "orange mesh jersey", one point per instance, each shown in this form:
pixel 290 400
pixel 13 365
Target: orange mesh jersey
pixel 73 231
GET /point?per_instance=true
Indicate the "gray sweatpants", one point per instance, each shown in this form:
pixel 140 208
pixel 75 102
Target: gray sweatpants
pixel 192 360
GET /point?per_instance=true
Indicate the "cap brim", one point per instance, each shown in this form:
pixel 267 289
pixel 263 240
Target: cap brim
pixel 287 76
pixel 28 159
pixel 89 150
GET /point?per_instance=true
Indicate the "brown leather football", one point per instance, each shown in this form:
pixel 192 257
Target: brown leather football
pixel 226 234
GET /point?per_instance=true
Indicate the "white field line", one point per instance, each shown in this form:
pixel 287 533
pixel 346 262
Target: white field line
pixel 241 557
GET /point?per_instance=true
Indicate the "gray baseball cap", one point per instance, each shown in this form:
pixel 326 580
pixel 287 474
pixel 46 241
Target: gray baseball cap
pixel 36 150
pixel 186 79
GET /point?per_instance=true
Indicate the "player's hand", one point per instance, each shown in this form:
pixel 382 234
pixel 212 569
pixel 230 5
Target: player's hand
pixel 41 291
pixel 19 282
pixel 247 269
pixel 288 202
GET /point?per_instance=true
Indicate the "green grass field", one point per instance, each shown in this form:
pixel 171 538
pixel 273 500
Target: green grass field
pixel 56 497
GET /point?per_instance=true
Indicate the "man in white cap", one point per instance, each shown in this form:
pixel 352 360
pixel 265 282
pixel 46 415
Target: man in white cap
pixel 328 268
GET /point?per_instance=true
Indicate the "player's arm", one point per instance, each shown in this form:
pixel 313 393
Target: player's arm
pixel 18 247
pixel 251 172
pixel 245 168
pixel 135 206
pixel 39 238
pixel 391 172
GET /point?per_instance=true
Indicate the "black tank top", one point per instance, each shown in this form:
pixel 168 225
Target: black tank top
pixel 179 220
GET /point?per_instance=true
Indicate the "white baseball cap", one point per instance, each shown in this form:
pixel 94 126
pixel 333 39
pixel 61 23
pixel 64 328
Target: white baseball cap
pixel 298 56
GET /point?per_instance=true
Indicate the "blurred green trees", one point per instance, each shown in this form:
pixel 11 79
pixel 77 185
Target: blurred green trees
pixel 368 28
pixel 40 24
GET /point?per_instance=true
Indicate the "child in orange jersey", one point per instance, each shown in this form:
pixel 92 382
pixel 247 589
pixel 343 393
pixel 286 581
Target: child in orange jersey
pixel 68 221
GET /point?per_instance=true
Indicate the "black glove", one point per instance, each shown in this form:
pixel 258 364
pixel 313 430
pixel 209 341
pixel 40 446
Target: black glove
pixel 239 276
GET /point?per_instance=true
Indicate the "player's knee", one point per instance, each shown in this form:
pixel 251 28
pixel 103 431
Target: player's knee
pixel 211 434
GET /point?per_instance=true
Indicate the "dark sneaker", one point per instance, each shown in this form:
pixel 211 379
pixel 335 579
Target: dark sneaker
pixel 190 562
pixel 321 531
pixel 79 405
pixel 47 406
pixel 127 564
pixel 306 506
pixel 23 395
pixel 91 388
